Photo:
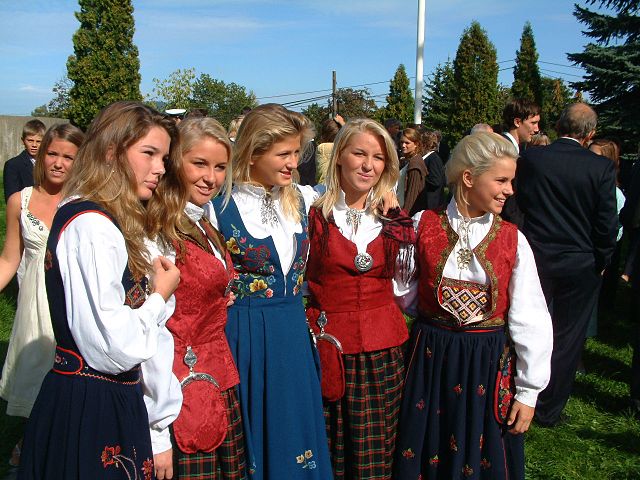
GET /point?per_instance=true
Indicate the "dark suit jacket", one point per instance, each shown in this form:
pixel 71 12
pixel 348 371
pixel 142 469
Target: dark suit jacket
pixel 17 174
pixel 630 214
pixel 435 181
pixel 568 198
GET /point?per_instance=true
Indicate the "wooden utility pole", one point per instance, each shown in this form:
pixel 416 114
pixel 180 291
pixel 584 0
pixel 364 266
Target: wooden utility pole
pixel 334 107
pixel 417 106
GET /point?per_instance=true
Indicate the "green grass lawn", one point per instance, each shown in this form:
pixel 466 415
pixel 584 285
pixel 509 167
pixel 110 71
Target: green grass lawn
pixel 601 441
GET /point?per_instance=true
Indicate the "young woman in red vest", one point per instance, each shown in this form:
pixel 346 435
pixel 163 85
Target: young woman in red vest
pixel 480 348
pixel 197 370
pixel 353 259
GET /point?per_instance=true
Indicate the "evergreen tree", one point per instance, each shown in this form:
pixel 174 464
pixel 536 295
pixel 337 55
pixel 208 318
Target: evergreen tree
pixel 439 98
pixel 612 65
pixel 224 101
pixel 475 69
pixel 400 100
pixel 104 67
pixel 555 97
pixel 526 74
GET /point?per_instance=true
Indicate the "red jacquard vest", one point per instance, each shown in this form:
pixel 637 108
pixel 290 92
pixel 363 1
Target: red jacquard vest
pixel 496 253
pixel 360 307
pixel 201 316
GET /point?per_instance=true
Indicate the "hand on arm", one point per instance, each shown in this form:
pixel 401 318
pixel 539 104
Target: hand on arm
pixel 166 277
pixel 520 417
pixel 163 465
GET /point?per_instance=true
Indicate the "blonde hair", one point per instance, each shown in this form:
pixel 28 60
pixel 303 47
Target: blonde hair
pixel 61 131
pixel 102 174
pixel 261 128
pixel 477 153
pixel 389 175
pixel 234 126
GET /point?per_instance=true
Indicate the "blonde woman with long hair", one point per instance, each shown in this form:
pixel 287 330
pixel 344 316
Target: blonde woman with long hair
pixel 355 256
pixel 90 419
pixel 263 218
pixel 480 348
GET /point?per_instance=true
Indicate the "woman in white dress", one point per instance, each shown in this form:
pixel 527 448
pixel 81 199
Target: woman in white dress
pixel 29 216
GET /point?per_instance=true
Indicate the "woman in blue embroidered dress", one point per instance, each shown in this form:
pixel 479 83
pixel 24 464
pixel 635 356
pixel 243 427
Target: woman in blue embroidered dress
pixel 264 221
pixel 480 309
pixel 90 420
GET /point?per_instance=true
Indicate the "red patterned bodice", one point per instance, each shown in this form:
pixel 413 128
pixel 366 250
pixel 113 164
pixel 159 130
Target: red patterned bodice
pixel 360 307
pixel 496 253
pixel 201 316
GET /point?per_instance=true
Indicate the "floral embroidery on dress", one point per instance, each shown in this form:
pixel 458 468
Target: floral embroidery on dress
pixel 112 456
pixel 304 459
pixel 48 260
pixel 467 471
pixel 481 441
pixel 484 464
pixel 408 453
pixel 428 353
pixel 434 461
pixel 453 445
pixel 300 264
pixel 505 385
pixel 480 390
pixel 457 389
pixel 420 404
pixel 135 296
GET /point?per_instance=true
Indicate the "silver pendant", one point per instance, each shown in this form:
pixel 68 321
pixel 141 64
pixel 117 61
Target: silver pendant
pixel 190 360
pixel 363 262
pixel 322 322
pixel 463 258
pixel 268 210
pixel 354 218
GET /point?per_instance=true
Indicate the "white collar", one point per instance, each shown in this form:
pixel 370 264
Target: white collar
pixel 574 139
pixel 256 191
pixel 513 140
pixel 194 212
pixel 341 204
pixel 454 214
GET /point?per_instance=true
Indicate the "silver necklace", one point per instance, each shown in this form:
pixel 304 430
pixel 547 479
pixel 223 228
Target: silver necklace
pixel 268 210
pixel 354 217
pixel 464 255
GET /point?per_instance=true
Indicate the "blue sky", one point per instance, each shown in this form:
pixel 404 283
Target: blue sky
pixel 280 47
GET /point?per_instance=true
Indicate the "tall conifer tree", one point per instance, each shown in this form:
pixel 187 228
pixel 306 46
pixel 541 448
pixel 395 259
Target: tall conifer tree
pixel 105 66
pixel 612 63
pixel 526 74
pixel 476 82
pixel 400 100
pixel 439 99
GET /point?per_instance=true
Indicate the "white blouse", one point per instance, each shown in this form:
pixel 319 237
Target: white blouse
pixel 529 322
pixel 111 337
pixel 248 199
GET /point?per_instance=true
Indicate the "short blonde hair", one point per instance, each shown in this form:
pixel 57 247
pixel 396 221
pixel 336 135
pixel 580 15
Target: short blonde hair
pixel 261 128
pixel 389 175
pixel 477 153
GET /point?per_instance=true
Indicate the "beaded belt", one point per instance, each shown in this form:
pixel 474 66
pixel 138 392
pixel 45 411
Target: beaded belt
pixel 68 362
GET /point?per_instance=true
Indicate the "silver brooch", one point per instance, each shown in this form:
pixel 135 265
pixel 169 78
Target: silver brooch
pixel 354 218
pixel 363 262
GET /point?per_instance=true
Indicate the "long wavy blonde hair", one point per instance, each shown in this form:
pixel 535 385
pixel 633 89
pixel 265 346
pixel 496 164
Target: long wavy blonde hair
pixel 261 128
pixel 389 175
pixel 101 173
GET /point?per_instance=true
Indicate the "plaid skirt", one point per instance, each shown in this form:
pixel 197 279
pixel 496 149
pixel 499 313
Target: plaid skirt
pixel 361 426
pixel 227 462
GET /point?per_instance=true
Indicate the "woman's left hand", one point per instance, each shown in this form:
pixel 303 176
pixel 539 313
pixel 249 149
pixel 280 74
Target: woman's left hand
pixel 163 465
pixel 389 202
pixel 520 417
pixel 231 299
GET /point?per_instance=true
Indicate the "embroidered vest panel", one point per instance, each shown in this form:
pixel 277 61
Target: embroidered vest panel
pixel 201 316
pixel 496 253
pixel 255 260
pixel 360 307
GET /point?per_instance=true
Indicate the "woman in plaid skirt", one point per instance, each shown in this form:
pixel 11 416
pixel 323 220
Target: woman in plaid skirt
pixel 354 255
pixel 481 320
pixel 208 439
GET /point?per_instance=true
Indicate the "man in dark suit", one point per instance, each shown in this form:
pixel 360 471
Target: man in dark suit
pixel 18 171
pixel 567 195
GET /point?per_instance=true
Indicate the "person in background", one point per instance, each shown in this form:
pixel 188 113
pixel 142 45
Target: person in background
pixel 90 419
pixel 480 348
pixel 436 180
pixel 28 217
pixel 18 171
pixel 329 130
pixel 414 193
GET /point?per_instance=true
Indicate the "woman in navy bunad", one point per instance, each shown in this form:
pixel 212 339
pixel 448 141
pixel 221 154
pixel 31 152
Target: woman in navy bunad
pixel 208 439
pixel 90 420
pixel 354 255
pixel 480 348
pixel 264 222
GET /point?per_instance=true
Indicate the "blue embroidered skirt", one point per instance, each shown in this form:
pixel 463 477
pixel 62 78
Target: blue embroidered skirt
pixel 86 428
pixel 279 389
pixel 448 419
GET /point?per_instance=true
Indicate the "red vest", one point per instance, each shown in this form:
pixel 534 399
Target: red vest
pixel 496 253
pixel 201 316
pixel 360 307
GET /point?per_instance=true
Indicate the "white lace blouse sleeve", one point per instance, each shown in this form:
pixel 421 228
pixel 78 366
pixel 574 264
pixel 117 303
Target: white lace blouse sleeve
pixel 405 287
pixel 160 387
pixel 530 326
pixel 112 337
